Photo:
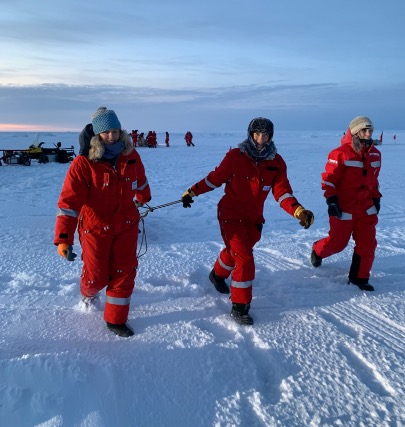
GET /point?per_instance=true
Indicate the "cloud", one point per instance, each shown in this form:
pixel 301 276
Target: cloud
pixel 294 107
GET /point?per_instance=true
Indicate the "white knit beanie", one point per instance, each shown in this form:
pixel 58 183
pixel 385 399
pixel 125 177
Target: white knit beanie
pixel 359 123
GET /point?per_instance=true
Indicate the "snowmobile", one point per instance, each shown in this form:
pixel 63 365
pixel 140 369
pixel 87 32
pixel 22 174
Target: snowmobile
pixel 46 155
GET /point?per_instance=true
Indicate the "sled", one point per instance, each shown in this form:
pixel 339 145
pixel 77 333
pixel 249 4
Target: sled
pixel 15 157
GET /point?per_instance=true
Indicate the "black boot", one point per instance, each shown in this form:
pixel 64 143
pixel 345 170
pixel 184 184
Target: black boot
pixel 362 284
pixel 121 330
pixel 316 260
pixel 240 313
pixel 219 283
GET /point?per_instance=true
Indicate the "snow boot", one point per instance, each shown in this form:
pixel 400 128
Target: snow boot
pixel 120 330
pixel 316 260
pixel 362 284
pixel 92 303
pixel 240 313
pixel 219 283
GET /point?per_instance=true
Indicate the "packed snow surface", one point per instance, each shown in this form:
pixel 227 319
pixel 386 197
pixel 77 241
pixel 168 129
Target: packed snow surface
pixel 321 352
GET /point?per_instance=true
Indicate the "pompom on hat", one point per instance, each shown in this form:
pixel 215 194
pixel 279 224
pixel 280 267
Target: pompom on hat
pixel 359 123
pixel 103 120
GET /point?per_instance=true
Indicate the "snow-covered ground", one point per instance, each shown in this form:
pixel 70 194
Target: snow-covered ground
pixel 321 352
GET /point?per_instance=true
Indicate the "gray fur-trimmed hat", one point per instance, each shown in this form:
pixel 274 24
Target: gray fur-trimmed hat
pixel 103 120
pixel 261 125
pixel 359 123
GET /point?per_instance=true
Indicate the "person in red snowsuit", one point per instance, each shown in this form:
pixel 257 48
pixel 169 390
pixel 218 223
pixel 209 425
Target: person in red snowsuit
pixel 151 139
pixel 189 139
pixel 100 196
pixel 134 136
pixel 249 173
pixel 351 189
pixel 167 139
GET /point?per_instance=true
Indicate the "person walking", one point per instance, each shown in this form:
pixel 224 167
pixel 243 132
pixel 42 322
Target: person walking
pixel 134 136
pixel 189 139
pixel 100 197
pixel 351 188
pixel 249 173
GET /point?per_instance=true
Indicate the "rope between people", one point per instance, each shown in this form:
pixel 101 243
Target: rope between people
pixel 148 208
pixel 153 208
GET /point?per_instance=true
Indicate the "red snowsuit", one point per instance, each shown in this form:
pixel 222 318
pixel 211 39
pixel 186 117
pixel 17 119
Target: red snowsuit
pixel 353 178
pixel 151 139
pixel 189 139
pixel 240 212
pixel 134 136
pixel 99 199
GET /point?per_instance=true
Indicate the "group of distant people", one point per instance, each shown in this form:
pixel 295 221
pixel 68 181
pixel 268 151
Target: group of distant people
pixel 139 140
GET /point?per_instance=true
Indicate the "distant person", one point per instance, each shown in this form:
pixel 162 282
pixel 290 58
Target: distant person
pixel 151 139
pixel 395 137
pixel 167 139
pixel 351 189
pixel 249 173
pixel 100 188
pixel 189 139
pixel 134 136
pixel 142 140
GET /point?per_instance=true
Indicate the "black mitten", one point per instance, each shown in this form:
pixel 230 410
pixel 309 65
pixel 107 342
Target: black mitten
pixel 333 207
pixel 377 204
pixel 187 198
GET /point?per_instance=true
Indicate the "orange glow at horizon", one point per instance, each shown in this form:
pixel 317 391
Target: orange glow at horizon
pixel 16 127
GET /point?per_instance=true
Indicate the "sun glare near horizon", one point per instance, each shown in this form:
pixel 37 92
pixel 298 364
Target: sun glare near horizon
pixel 14 127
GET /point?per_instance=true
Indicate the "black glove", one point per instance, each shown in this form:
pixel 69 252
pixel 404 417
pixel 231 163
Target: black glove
pixel 187 198
pixel 377 204
pixel 333 207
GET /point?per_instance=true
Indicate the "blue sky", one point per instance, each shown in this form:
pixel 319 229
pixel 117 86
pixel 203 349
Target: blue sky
pixel 202 65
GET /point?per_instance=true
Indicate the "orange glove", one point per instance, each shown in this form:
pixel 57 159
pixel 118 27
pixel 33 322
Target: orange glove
pixel 66 251
pixel 305 216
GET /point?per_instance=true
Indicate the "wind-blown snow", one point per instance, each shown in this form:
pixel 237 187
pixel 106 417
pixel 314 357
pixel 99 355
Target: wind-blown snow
pixel 321 352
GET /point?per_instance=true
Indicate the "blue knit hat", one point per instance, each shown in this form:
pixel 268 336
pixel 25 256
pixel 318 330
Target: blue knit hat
pixel 103 120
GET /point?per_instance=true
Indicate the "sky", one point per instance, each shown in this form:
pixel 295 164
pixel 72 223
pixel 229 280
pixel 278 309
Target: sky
pixel 321 353
pixel 163 65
